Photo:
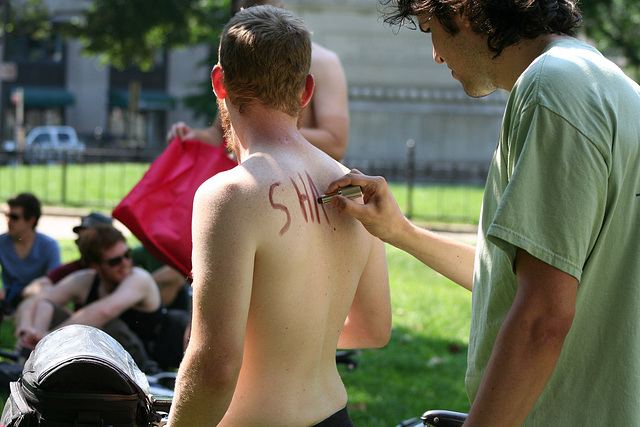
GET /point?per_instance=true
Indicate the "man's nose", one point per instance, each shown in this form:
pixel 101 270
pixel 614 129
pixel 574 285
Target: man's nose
pixel 437 57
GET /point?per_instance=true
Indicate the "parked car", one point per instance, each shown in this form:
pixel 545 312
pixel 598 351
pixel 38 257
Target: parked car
pixel 48 143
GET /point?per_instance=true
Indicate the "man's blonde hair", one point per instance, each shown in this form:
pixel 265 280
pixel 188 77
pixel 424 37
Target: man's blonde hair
pixel 265 55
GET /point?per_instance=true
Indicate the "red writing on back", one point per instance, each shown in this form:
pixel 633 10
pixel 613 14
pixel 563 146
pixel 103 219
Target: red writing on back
pixel 307 193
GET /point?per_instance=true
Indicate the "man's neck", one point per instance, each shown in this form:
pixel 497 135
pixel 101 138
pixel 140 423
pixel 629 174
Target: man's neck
pixel 25 238
pixel 517 58
pixel 262 129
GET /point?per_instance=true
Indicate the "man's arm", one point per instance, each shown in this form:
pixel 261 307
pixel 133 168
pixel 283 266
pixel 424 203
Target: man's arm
pixel 528 345
pixel 368 324
pixel 328 129
pixel 211 135
pixel 382 217
pixel 223 275
pixel 169 281
pixel 70 289
pixel 36 286
pixel 131 291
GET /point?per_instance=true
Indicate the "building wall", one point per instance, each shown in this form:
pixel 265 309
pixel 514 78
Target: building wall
pixel 397 91
pixel 185 73
pixel 89 81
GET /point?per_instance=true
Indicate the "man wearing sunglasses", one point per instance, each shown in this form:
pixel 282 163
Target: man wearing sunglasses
pixel 25 254
pixel 57 274
pixel 111 294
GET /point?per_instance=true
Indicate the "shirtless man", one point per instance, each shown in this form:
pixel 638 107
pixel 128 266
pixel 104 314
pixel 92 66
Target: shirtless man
pixel 280 282
pixel 325 121
pixel 106 295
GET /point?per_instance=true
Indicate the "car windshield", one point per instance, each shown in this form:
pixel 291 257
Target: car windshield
pixel 41 139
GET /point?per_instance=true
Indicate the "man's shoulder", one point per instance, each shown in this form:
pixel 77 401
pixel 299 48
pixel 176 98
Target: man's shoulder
pixel 64 270
pixel 321 55
pixel 227 184
pixel 78 279
pixel 141 275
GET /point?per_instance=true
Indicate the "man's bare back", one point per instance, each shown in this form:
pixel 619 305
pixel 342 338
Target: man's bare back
pixel 279 281
pixel 307 263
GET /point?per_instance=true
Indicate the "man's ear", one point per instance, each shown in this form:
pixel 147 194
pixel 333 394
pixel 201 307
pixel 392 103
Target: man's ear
pixel 309 84
pixel 217 81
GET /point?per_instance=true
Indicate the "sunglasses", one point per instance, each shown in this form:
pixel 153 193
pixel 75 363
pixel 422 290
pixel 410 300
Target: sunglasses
pixel 113 262
pixel 12 216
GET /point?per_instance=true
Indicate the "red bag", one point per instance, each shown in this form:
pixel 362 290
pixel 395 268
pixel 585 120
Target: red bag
pixel 158 209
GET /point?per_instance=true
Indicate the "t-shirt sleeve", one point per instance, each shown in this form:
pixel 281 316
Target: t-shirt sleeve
pixel 554 202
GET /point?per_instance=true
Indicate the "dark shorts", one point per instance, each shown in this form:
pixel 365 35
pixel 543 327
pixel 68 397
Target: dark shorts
pixel 339 419
pixel 168 348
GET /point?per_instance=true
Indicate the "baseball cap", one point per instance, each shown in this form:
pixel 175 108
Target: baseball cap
pixel 91 220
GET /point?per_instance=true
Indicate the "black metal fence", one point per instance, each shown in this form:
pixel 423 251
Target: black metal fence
pixel 100 178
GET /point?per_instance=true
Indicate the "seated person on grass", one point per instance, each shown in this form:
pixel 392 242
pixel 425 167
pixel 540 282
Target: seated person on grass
pixel 54 276
pixel 112 295
pixel 25 254
pixel 174 288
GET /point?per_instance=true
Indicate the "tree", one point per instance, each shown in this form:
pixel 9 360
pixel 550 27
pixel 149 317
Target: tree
pixel 614 26
pixel 125 33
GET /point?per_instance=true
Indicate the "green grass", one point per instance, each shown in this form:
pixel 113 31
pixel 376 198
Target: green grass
pixel 104 185
pixel 443 203
pixel 423 365
pixel 92 185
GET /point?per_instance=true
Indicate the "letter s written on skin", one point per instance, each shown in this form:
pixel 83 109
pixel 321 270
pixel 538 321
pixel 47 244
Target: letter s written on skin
pixel 305 199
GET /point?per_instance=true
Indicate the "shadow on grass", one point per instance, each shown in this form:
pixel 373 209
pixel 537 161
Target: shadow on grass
pixel 404 379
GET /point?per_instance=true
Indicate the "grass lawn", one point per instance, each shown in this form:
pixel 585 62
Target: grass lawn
pixel 103 185
pixel 423 365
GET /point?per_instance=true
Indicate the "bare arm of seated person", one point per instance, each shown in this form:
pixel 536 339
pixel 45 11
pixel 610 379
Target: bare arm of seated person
pixel 72 289
pixel 132 292
pixel 136 291
pixel 36 286
pixel 169 281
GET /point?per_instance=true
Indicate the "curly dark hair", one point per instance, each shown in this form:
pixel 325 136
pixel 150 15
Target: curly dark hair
pixel 504 22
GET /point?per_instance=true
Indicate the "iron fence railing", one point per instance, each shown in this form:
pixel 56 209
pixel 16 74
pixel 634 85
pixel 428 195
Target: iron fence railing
pixel 100 178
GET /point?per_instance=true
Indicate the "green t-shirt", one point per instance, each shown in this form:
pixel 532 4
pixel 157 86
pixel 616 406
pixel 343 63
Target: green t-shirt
pixel 563 185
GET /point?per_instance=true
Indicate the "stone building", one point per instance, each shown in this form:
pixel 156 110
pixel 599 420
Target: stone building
pixel 396 90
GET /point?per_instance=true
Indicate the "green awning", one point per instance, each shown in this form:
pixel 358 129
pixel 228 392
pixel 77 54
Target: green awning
pixel 149 99
pixel 44 97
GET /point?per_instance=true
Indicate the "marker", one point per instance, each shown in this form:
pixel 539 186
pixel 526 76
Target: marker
pixel 350 192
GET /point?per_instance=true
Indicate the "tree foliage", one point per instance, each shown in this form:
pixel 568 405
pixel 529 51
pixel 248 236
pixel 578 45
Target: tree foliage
pixel 614 26
pixel 125 32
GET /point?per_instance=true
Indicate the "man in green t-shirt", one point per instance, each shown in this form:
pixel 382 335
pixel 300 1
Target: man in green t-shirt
pixel 556 269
